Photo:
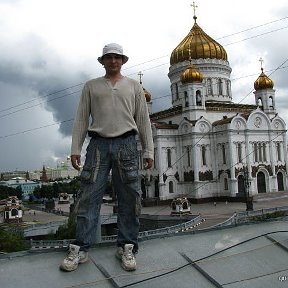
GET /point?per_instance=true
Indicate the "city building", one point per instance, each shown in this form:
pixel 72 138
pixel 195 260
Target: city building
pixel 63 170
pixel 207 146
pixel 27 186
pixel 12 174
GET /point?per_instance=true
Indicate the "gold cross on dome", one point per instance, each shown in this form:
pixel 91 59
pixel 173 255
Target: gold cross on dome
pixel 140 76
pixel 194 8
pixel 261 61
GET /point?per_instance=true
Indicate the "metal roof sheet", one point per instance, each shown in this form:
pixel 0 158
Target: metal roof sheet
pixel 250 255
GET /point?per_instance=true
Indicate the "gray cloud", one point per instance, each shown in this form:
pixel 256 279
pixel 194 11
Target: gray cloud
pixel 32 73
pixel 30 85
pixel 40 75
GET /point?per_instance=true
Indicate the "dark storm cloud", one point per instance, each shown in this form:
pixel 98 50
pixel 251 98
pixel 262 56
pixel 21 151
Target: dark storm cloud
pixel 39 74
pixel 33 82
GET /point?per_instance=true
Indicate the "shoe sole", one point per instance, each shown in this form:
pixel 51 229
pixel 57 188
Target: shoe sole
pixel 67 269
pixel 128 269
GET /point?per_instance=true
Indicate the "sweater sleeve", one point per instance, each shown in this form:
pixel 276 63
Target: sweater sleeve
pixel 143 123
pixel 81 122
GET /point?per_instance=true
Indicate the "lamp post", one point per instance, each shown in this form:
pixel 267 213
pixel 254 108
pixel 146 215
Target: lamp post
pixel 249 200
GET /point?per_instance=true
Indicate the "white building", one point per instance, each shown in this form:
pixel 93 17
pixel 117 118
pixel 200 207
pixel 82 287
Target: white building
pixel 13 210
pixel 205 145
pixel 64 170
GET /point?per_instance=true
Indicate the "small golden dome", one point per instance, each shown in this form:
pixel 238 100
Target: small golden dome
pixel 147 95
pixel 191 75
pixel 263 82
pixel 197 44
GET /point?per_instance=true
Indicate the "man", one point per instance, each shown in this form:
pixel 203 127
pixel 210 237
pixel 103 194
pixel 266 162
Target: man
pixel 118 111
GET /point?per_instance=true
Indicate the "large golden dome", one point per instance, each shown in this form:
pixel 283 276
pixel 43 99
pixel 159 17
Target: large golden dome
pixel 263 82
pixel 197 44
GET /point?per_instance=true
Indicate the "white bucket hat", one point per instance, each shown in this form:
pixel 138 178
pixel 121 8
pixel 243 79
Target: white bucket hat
pixel 115 49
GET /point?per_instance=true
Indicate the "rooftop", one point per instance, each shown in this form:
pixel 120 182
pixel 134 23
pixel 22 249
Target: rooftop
pixel 250 255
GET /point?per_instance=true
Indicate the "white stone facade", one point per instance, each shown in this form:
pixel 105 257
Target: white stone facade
pixel 206 146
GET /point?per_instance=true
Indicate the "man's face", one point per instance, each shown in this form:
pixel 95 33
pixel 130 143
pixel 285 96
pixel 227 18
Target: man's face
pixel 112 62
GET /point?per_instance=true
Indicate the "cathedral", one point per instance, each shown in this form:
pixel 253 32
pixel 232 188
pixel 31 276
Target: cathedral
pixel 207 146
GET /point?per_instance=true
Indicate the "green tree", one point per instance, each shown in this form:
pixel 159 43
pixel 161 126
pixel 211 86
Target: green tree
pixel 53 191
pixel 45 191
pixel 37 192
pixel 6 191
pixel 12 241
pixel 19 192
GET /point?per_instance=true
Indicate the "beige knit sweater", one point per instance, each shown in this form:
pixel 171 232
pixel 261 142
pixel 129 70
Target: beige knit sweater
pixel 111 111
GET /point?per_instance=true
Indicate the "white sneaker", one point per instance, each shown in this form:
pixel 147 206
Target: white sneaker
pixel 73 258
pixel 127 257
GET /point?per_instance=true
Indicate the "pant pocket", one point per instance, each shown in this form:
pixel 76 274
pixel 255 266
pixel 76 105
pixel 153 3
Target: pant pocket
pixel 129 173
pixel 128 166
pixel 88 174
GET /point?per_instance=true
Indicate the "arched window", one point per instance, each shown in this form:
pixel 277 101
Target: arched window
pixel 259 102
pixel 272 102
pixel 169 162
pixel 280 181
pixel 185 205
pixel 261 182
pixel 186 99
pixel 225 184
pixel 198 98
pixel 239 148
pixel 220 86
pixel 223 153
pixel 203 150
pixel 188 156
pixel 14 212
pixel 171 188
pixel 241 186
pixel 209 86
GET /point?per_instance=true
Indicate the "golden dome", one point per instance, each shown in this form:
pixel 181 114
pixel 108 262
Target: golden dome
pixel 197 44
pixel 191 75
pixel 263 82
pixel 147 95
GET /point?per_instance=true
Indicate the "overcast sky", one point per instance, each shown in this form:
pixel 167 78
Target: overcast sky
pixel 49 48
